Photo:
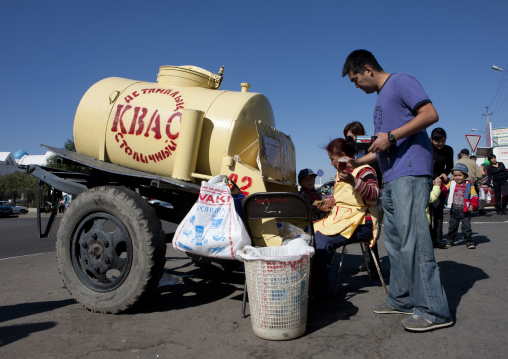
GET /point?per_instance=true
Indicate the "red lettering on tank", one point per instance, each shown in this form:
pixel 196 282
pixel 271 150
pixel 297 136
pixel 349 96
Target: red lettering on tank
pixel 246 179
pixel 139 120
pixel 156 128
pixel 118 118
pixel 136 123
pixel 248 184
pixel 168 126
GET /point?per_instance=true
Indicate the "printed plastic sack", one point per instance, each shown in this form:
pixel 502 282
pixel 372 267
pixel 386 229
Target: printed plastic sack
pixel 290 232
pixel 212 228
pixel 295 250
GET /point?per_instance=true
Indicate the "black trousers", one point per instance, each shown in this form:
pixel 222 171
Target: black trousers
pixel 500 202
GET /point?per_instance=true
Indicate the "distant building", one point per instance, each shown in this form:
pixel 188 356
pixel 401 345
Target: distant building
pixel 9 162
pixel 6 158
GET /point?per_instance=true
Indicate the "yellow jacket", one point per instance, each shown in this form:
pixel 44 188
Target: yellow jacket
pixel 348 212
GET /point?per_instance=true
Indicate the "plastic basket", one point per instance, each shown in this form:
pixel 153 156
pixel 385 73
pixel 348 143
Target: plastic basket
pixel 278 297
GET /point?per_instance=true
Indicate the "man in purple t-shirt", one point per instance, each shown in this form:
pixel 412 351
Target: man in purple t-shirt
pixel 403 112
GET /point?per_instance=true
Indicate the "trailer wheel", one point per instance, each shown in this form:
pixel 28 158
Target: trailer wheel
pixel 224 265
pixel 110 249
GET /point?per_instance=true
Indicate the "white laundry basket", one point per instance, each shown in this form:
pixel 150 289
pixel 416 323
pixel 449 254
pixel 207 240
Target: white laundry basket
pixel 278 292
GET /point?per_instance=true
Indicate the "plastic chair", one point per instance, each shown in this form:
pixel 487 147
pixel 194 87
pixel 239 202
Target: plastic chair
pixel 276 205
pixel 364 246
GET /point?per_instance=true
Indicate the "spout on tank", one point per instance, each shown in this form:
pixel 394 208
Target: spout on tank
pixel 245 86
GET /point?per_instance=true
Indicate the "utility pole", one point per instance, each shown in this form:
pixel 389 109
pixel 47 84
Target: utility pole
pixel 487 114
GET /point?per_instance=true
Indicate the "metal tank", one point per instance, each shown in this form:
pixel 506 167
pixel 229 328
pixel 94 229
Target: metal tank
pixel 184 127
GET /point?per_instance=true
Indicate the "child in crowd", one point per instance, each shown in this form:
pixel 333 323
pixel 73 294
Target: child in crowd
pixel 307 181
pixel 462 200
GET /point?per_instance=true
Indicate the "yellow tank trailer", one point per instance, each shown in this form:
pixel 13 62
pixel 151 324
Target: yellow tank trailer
pixel 140 140
pixel 184 127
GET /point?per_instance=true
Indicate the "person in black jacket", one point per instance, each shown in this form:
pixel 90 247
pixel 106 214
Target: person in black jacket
pixel 497 179
pixel 443 164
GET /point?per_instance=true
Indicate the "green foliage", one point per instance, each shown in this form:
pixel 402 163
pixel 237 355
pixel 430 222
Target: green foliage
pixel 18 185
pixel 53 162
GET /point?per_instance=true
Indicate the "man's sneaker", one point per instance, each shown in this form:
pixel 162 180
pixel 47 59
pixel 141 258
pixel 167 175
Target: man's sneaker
pixel 449 244
pixel 417 324
pixel 383 308
pixel 470 245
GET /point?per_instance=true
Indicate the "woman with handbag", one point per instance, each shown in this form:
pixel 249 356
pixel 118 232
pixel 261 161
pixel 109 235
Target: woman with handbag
pixel 498 180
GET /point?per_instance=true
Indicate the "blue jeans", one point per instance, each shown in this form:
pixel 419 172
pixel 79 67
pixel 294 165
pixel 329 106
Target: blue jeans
pixel 456 216
pixel 415 285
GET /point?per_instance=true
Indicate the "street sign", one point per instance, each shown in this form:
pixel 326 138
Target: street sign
pixel 473 141
pixel 320 173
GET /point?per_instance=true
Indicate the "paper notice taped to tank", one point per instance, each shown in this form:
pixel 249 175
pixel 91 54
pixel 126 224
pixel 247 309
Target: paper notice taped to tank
pixel 276 154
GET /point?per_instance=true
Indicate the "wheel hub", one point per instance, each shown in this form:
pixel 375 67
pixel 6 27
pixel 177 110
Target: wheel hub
pixel 102 251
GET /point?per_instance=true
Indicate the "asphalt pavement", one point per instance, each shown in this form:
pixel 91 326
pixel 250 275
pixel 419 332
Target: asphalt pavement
pixel 196 313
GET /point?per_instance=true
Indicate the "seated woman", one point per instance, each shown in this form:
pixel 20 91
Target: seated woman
pixel 352 210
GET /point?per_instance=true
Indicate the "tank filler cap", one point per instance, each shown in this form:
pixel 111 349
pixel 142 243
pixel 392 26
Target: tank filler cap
pixel 190 76
pixel 245 86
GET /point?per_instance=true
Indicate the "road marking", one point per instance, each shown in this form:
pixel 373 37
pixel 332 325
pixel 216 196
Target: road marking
pixel 26 255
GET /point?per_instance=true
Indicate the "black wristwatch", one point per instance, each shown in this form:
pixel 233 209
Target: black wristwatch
pixel 391 138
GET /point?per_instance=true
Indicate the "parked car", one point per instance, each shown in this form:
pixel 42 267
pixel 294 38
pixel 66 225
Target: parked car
pixel 5 211
pixel 15 209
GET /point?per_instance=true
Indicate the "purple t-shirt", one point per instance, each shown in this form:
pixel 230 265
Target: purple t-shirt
pixel 396 105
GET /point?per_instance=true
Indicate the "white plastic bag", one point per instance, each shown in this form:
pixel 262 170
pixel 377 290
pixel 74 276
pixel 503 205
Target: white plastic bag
pixel 295 250
pixel 488 197
pixel 290 232
pixel 212 228
pixel 481 195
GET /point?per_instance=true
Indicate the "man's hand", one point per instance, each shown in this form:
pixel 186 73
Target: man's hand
pixel 470 208
pixel 381 144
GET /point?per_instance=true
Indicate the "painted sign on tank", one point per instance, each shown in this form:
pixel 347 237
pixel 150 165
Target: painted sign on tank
pixel 146 123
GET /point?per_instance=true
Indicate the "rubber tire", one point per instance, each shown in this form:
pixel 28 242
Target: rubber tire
pixel 224 265
pixel 148 248
pixel 22 211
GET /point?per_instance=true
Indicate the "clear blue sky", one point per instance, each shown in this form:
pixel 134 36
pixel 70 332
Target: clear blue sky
pixel 292 52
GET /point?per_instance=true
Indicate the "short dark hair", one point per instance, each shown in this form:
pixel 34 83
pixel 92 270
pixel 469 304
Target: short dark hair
pixel 357 60
pixel 491 156
pixel 355 127
pixel 465 151
pixel 339 145
pixel 438 134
